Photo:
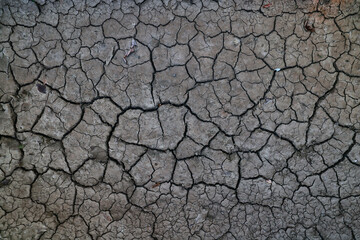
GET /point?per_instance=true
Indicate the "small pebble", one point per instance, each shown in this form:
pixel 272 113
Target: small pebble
pixel 41 88
pixel 5 182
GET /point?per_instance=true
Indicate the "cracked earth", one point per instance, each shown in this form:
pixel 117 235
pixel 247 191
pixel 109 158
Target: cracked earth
pixel 230 120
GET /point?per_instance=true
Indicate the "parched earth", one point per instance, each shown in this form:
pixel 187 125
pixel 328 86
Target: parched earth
pixel 232 119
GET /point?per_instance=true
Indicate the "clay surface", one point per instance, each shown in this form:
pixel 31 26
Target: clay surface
pixel 229 119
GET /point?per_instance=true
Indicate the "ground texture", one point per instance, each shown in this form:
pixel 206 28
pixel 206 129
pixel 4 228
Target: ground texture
pixel 231 120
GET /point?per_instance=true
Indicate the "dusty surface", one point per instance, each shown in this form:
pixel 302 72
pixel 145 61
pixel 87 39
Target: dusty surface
pixel 231 120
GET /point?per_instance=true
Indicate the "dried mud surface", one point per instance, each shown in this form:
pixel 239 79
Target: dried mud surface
pixel 231 120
